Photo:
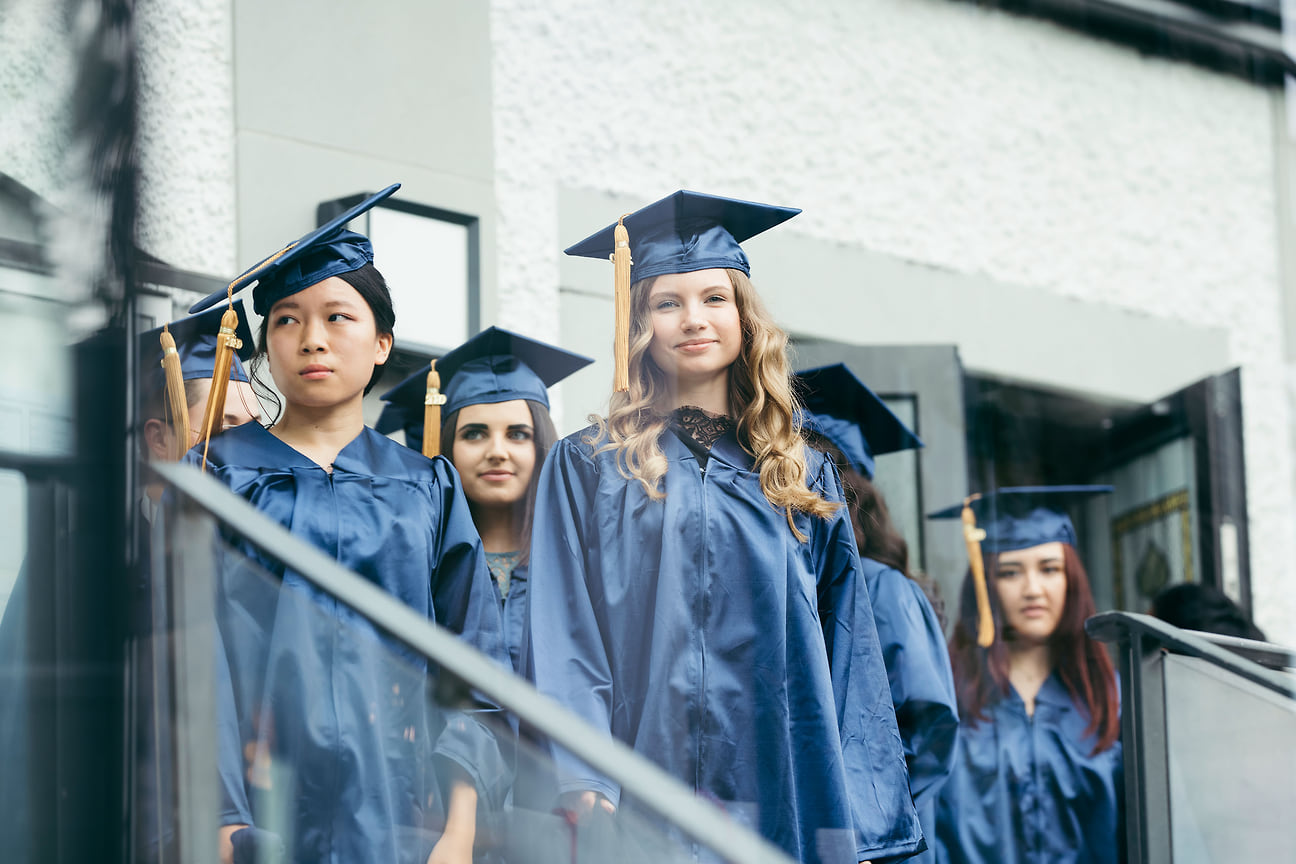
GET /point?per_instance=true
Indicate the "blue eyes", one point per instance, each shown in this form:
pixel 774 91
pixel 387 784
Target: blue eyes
pixel 675 304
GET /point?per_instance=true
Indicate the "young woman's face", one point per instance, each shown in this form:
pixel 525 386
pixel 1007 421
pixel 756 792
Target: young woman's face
pixel 1031 585
pixel 323 344
pixel 494 452
pixel 697 333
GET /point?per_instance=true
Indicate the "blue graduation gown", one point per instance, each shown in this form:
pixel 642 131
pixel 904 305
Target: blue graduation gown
pixel 513 614
pixel 922 685
pixel 1027 791
pixel 354 746
pixel 701 632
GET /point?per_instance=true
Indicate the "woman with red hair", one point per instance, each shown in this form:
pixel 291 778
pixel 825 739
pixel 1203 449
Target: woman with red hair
pixel 1038 776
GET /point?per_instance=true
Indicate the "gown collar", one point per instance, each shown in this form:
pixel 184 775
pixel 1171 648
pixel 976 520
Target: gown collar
pixel 1051 692
pixel 254 445
pixel 726 449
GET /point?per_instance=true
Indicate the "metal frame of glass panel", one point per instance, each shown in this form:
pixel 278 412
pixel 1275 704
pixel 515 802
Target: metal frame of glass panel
pixel 1145 644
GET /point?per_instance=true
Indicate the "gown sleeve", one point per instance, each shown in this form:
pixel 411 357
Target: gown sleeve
pixel 886 823
pixel 922 684
pixel 564 642
pixel 476 738
pixel 235 809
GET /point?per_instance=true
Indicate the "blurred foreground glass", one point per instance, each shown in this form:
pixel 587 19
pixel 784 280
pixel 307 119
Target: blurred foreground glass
pixel 386 776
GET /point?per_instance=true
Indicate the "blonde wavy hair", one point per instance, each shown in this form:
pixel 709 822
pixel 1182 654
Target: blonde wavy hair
pixel 760 397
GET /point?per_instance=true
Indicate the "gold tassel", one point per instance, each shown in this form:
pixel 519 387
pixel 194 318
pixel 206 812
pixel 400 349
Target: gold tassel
pixel 621 339
pixel 175 395
pixel 432 414
pixel 973 536
pixel 227 343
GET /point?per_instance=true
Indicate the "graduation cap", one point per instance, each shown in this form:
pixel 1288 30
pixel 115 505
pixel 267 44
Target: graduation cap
pixel 496 365
pixel 1012 518
pixel 186 350
pixel 195 345
pixel 841 408
pixel 681 233
pixel 329 250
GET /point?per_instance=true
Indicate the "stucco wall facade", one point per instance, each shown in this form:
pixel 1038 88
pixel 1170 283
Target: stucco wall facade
pixel 931 131
pixel 36 81
pixel 186 134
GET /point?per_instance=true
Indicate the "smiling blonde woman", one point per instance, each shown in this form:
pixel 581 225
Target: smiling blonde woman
pixel 701 597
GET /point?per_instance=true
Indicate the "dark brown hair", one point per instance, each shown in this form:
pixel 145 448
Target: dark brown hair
pixel 876 536
pixel 981 674
pixel 543 435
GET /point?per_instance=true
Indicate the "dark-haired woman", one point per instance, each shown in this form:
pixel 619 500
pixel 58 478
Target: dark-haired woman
pixel 1194 606
pixel 496 431
pixel 1038 776
pixel 345 756
pixel 849 422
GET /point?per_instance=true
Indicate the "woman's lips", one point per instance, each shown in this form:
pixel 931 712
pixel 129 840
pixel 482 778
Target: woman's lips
pixel 314 372
pixel 496 475
pixel 695 346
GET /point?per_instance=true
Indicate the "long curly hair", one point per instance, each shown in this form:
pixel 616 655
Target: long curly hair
pixel 981 674
pixel 760 397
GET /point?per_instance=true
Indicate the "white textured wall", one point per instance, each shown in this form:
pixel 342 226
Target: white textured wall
pixel 186 134
pixel 929 130
pixel 37 71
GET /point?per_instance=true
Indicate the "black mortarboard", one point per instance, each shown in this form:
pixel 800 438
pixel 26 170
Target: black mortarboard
pixel 841 408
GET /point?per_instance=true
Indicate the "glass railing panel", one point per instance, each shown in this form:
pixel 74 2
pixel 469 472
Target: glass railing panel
pixel 267 701
pixel 14 667
pixel 13 534
pixel 1231 748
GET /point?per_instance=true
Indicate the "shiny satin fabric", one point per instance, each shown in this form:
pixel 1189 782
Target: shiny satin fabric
pixel 1025 790
pixel 513 612
pixel 701 632
pixel 922 685
pixel 348 752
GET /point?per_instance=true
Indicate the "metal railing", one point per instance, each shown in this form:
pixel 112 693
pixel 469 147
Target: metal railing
pixel 1205 731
